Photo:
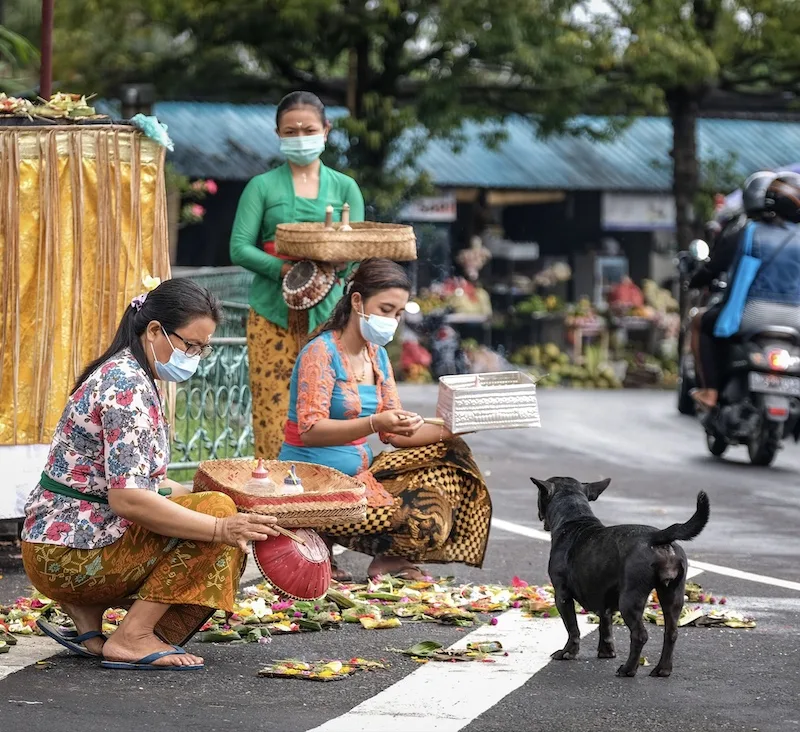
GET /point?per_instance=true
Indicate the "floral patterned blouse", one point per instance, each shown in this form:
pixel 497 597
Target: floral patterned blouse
pixel 112 435
pixel 323 386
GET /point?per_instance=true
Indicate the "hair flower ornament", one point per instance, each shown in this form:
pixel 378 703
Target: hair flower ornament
pixel 150 283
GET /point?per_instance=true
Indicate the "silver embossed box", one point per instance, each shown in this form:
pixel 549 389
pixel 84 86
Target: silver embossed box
pixel 496 401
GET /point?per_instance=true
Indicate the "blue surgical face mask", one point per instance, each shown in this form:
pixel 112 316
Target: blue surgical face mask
pixel 377 329
pixel 303 149
pixel 180 367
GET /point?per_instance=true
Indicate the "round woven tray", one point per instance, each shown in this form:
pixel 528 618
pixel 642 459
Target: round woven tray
pixel 366 240
pixel 329 497
pixel 307 284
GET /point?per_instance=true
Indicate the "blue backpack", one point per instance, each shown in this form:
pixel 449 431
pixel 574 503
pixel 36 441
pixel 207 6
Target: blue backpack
pixel 730 318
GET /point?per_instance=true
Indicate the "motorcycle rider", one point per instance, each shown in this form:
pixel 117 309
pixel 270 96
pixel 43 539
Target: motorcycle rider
pixel 726 232
pixel 772 202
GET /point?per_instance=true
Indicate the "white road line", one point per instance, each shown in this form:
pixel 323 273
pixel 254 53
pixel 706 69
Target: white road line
pixel 446 697
pixel 513 528
pixel 27 652
pixel 520 529
pixel 749 576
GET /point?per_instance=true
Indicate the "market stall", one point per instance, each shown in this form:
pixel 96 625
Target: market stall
pixel 620 335
pixel 83 221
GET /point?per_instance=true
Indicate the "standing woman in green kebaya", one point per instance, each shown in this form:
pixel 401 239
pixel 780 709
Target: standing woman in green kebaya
pixel 298 191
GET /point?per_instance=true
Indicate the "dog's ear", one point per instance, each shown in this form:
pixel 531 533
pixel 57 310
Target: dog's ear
pixel 546 491
pixel 593 490
pixel 545 488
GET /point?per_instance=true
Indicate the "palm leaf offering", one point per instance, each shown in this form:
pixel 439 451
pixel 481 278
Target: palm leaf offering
pixel 710 612
pixel 61 106
pixel 433 651
pixel 319 670
pixel 259 613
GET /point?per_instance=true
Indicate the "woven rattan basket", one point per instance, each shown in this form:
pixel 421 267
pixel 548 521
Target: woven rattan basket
pixel 364 240
pixel 329 497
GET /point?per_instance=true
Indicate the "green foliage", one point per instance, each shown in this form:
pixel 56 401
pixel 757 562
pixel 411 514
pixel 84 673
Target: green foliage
pixel 18 58
pixel 409 70
pixel 700 45
pixel 412 70
pixel 668 55
pixel 717 175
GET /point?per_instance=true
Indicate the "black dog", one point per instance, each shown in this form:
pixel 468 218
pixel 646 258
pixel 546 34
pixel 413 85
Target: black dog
pixel 610 568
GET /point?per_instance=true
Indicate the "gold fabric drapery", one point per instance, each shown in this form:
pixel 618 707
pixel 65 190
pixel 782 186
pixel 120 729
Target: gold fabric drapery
pixel 83 218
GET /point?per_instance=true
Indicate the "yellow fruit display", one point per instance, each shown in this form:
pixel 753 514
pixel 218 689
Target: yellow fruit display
pixel 555 368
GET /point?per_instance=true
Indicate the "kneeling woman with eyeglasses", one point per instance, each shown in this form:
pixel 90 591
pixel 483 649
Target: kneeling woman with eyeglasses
pixel 100 530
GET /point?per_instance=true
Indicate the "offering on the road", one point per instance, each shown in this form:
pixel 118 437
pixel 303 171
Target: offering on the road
pixel 434 651
pixel 328 496
pixel 492 401
pixel 704 611
pixel 319 670
pixel 299 571
pixel 260 613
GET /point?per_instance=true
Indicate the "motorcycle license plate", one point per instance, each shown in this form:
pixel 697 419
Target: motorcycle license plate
pixel 774 384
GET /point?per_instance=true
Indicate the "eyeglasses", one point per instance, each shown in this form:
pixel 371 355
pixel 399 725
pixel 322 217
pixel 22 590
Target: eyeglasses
pixel 194 349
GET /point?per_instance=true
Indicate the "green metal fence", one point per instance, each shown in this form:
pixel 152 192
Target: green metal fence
pixel 213 410
pixel 231 284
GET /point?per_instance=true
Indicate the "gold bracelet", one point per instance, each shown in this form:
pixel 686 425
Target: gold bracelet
pixel 441 433
pixel 214 537
pixel 372 424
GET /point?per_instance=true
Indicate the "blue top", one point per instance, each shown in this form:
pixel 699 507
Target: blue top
pixel 778 247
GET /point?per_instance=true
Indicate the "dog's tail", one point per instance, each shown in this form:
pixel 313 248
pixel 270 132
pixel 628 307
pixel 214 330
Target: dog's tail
pixel 689 530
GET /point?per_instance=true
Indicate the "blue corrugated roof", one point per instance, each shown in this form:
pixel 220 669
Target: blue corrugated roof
pixel 236 142
pixel 636 159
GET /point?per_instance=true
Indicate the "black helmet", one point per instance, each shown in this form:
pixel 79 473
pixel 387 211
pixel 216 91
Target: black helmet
pixel 782 198
pixel 754 190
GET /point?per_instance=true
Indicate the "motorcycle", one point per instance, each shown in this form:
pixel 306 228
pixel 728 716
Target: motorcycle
pixel 759 395
pixel 442 341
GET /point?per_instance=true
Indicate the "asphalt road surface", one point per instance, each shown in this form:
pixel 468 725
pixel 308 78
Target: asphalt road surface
pixel 724 679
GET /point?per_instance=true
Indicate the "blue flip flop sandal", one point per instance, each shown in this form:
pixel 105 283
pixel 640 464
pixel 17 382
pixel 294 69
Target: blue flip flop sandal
pixel 69 638
pixel 146 663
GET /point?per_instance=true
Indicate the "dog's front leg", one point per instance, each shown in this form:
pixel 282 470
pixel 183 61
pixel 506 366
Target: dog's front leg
pixel 605 646
pixel 566 607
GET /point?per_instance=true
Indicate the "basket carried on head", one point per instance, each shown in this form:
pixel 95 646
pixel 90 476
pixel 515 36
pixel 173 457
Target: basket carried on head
pixel 346 242
pixel 329 497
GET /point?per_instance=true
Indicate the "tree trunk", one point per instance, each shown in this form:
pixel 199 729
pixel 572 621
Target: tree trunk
pixel 352 82
pixel 683 107
pixel 46 69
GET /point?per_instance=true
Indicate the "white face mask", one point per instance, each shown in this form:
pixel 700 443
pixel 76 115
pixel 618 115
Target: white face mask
pixel 179 368
pixel 377 329
pixel 303 149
